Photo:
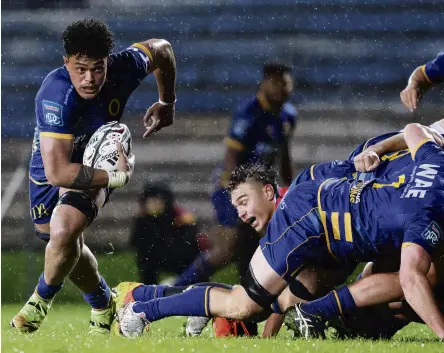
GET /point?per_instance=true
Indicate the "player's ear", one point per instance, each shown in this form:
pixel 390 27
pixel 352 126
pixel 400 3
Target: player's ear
pixel 65 60
pixel 269 191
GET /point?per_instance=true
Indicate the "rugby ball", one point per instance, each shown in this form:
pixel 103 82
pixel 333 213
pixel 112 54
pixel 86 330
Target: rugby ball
pixel 101 150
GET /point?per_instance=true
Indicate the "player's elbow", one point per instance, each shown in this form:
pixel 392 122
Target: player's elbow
pixel 55 177
pixel 164 51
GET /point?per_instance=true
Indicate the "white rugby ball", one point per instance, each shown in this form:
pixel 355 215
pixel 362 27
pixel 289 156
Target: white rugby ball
pixel 101 150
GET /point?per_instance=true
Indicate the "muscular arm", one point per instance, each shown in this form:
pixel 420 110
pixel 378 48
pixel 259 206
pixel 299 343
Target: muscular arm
pixel 163 66
pixel 61 172
pixel 415 263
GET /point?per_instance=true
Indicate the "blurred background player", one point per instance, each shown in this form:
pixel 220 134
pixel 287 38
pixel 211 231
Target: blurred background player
pixel 261 129
pixel 164 236
pixel 73 101
pixel 421 80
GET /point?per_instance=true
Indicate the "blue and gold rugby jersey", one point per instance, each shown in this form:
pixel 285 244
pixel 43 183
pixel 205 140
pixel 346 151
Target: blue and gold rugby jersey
pixel 346 221
pixel 256 133
pixel 360 218
pixel 62 113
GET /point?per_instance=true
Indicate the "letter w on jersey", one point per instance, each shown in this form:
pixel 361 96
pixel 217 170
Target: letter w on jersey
pixel 422 180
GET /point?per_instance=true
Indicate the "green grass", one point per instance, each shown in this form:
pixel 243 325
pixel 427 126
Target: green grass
pixel 64 331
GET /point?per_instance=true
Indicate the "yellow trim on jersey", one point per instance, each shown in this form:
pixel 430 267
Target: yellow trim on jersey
pixel 144 49
pixel 348 227
pixel 415 149
pixel 38 182
pixel 424 72
pixel 395 184
pixel 395 155
pixel 406 244
pixel 335 225
pixel 230 142
pixel 324 218
pixel 337 300
pixel 295 272
pixel 206 301
pixel 312 172
pixel 57 135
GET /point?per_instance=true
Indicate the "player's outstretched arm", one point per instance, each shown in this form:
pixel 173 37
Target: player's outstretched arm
pixel 415 263
pixel 163 65
pixel 61 172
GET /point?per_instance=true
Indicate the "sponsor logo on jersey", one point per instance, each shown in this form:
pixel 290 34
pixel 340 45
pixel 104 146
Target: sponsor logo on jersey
pixel 52 113
pixel 432 233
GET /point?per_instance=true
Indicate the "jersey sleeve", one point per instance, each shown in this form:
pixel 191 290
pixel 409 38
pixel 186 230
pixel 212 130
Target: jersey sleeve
pixel 426 230
pixel 55 106
pixel 427 150
pixel 434 70
pixel 133 62
pixel 240 129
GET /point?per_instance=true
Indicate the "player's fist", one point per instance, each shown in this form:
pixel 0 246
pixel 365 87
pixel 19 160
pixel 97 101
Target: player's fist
pixel 410 97
pixel 157 117
pixel 366 161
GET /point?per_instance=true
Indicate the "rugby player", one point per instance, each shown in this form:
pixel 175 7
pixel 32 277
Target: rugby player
pixel 421 80
pixel 91 89
pixel 328 223
pixel 261 129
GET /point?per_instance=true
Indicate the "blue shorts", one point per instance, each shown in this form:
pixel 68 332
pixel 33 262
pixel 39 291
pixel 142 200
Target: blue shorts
pixel 226 214
pixel 43 199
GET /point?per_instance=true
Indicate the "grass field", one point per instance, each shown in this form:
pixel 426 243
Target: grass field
pixel 64 331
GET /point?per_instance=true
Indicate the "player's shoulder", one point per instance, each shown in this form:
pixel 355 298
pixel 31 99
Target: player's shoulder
pixel 135 57
pixel 247 110
pixel 289 110
pixel 56 83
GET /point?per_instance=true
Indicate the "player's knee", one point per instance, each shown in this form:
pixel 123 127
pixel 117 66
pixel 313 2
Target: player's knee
pixel 240 304
pixel 63 237
pixel 82 202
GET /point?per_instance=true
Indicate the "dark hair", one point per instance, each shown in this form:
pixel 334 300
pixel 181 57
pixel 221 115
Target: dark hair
pixel 275 68
pixel 89 37
pixel 258 172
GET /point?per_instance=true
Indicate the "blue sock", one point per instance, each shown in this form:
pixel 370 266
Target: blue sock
pixel 192 302
pixel 100 298
pixel 146 293
pixel 335 303
pixel 276 308
pixel 46 291
pixel 199 271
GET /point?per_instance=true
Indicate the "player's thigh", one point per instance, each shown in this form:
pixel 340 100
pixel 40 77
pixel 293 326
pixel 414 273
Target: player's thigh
pixel 264 274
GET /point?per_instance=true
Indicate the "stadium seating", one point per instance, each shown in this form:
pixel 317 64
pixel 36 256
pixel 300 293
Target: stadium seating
pixel 336 46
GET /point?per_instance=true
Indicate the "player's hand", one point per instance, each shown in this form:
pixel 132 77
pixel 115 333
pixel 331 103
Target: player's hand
pixel 125 163
pixel 410 97
pixel 366 161
pixel 157 117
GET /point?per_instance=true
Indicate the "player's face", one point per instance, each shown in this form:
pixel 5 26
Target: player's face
pixel 254 203
pixel 87 75
pixel 278 89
